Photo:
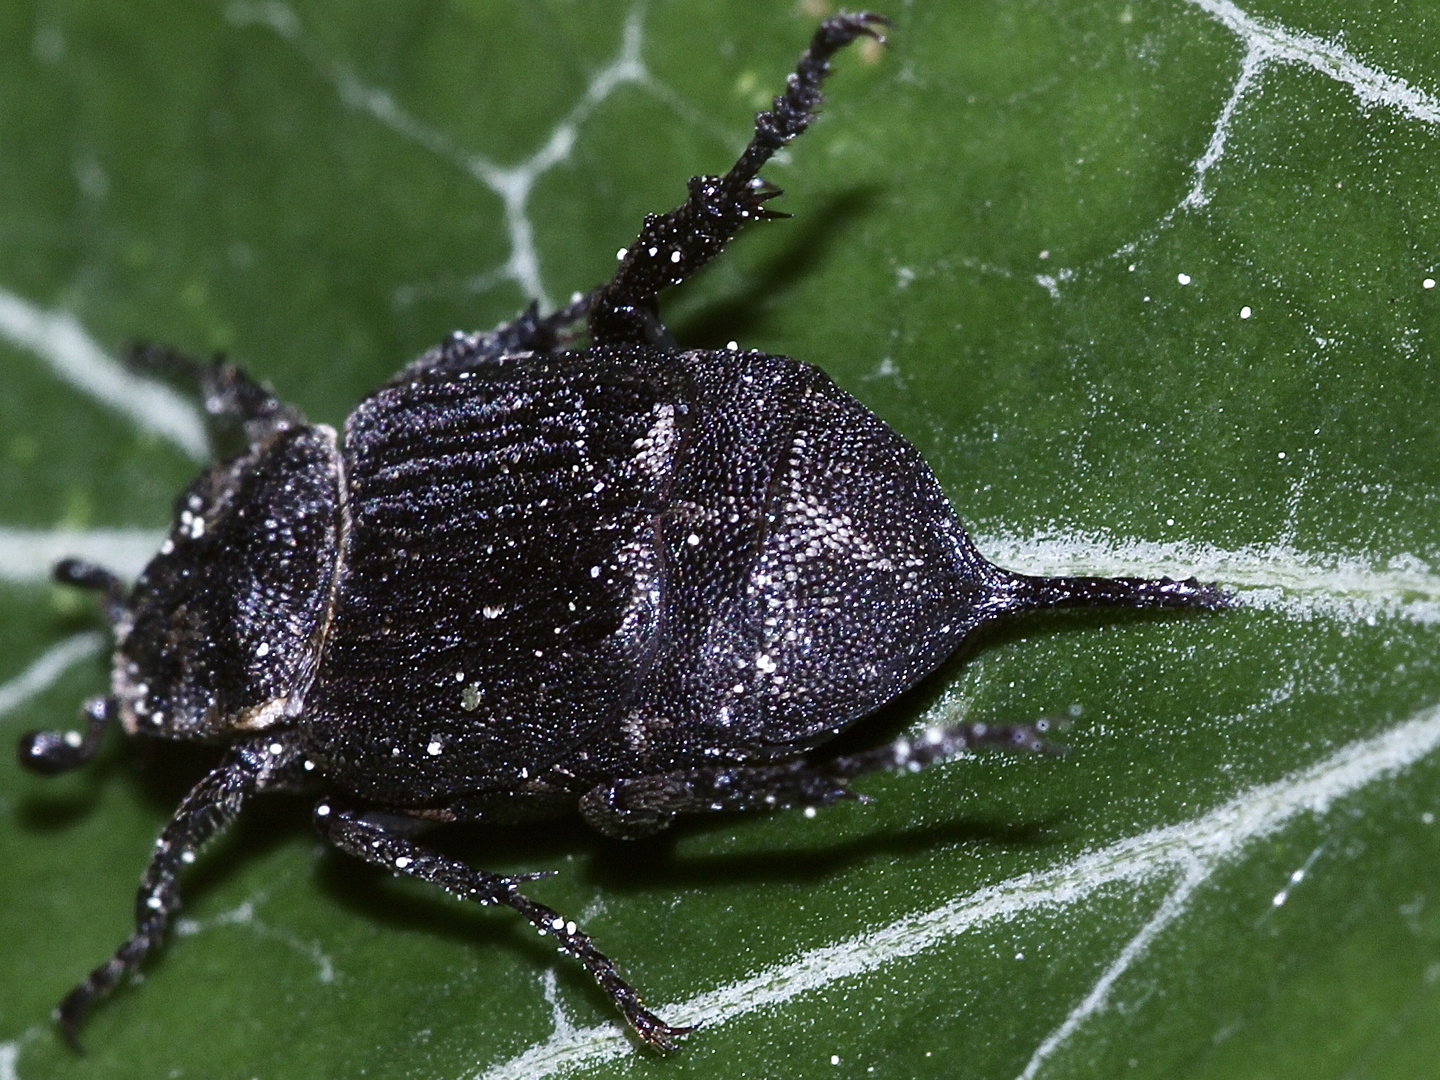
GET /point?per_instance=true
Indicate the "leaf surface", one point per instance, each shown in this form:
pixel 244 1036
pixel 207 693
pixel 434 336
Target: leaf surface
pixel 1151 283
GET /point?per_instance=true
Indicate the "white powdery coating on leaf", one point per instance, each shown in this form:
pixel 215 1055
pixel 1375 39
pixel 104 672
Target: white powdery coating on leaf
pixel 10 1053
pixel 1171 909
pixel 1250 72
pixel 27 556
pixel 59 339
pixel 1273 578
pixel 1221 832
pixel 1269 43
pixel 1191 851
pixel 46 671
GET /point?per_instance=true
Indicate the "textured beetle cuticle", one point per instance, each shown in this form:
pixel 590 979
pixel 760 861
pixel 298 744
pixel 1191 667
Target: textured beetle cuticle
pixel 532 577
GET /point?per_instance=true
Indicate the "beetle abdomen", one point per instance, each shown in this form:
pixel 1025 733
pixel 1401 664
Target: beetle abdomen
pixel 821 571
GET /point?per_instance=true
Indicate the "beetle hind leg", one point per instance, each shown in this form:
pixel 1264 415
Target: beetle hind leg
pixel 368 839
pixel 1022 592
pixel 639 806
pixel 672 247
pixel 942 744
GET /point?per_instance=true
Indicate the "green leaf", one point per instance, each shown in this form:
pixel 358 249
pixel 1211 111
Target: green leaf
pixel 1152 286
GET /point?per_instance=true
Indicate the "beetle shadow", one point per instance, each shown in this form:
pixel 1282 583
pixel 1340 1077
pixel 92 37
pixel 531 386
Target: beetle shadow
pixel 622 865
pixel 618 867
pixel 59 803
pixel 743 313
pixel 629 866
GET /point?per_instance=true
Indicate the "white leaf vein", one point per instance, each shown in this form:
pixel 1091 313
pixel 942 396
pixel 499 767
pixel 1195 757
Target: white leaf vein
pixel 1281 579
pixel 1188 853
pixel 512 183
pixel 57 338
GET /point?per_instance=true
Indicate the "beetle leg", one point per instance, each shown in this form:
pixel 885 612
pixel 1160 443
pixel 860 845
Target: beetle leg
pixel 210 807
pixel 533 332
pixel 368 839
pixel 87 575
pixel 528 332
pixel 639 806
pixel 230 395
pixel 672 247
pixel 941 744
pixel 642 805
pixel 52 752
pixel 1021 592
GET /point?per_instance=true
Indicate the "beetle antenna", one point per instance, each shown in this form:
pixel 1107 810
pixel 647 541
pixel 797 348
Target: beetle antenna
pixel 87 575
pixel 52 752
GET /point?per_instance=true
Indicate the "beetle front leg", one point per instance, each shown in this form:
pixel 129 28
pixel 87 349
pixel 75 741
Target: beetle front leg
pixel 639 806
pixel 88 575
pixel 672 247
pixel 209 808
pixel 368 839
pixel 229 393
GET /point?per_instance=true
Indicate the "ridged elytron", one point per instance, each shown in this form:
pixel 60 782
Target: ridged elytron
pixel 628 579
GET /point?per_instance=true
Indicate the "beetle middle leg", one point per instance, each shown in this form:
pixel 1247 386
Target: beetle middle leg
pixel 369 839
pixel 541 333
pixel 52 752
pixel 527 332
pixel 639 806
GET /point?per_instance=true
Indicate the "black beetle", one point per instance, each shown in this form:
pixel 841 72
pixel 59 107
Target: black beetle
pixel 628 579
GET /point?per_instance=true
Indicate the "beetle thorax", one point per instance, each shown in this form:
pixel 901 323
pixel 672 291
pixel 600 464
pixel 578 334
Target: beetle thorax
pixel 227 621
